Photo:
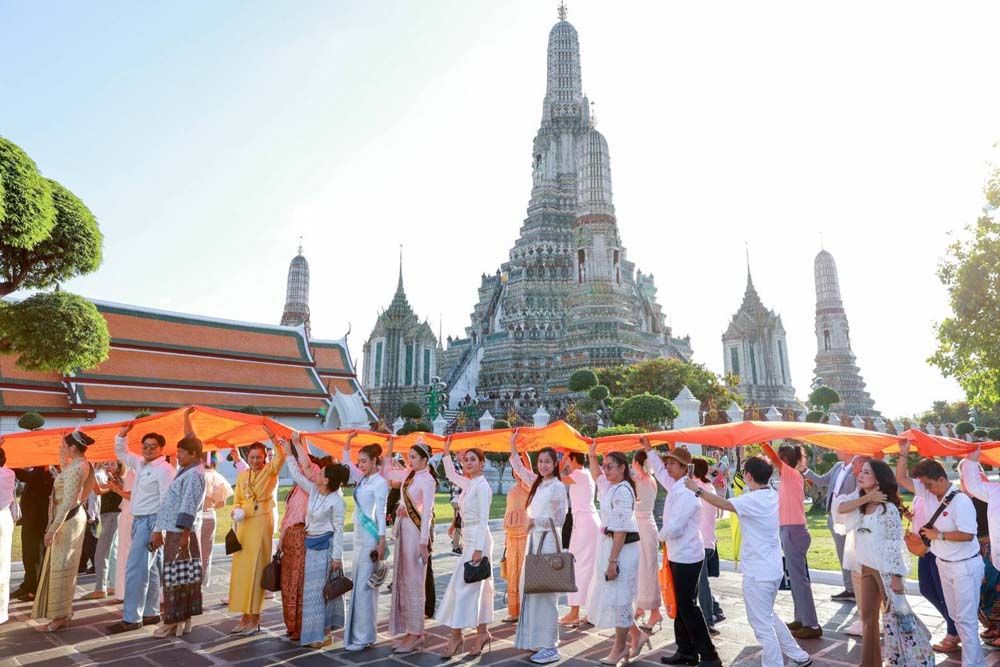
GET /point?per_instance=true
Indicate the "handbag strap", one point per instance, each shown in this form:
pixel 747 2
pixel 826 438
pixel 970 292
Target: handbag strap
pixel 944 504
pixel 552 529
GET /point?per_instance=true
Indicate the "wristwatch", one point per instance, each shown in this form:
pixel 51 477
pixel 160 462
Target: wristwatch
pixel 697 494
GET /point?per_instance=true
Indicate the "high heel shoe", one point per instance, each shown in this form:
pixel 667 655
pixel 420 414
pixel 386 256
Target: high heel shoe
pixel 187 627
pixel 247 632
pixel 614 658
pixel 414 647
pixel 451 648
pixel 480 641
pixel 165 630
pixel 652 627
pixel 637 648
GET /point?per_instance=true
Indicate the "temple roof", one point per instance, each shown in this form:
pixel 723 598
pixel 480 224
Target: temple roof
pixel 752 313
pixel 139 398
pixel 331 357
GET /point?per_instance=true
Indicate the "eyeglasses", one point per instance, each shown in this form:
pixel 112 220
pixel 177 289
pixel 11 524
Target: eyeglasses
pixel 150 445
pixel 610 466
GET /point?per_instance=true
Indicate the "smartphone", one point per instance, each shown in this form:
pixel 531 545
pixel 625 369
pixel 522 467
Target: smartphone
pixel 690 470
pixel 618 570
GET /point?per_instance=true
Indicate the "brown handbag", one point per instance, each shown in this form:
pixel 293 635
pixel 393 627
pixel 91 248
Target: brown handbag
pixel 549 573
pixel 336 585
pixel 271 579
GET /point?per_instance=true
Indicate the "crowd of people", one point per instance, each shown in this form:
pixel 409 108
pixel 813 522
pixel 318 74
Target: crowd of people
pixel 150 525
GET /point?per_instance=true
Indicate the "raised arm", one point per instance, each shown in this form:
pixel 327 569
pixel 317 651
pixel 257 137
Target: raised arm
pixel 710 497
pixel 188 428
pixel 393 476
pixel 520 469
pixel 449 468
pixel 773 455
pixel 345 458
pixel 595 466
pixel 121 448
pixel 973 479
pixel 293 467
pixel 902 473
pixel 238 461
pixel 656 467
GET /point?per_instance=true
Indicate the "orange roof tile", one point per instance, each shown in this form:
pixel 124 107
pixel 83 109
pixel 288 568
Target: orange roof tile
pixel 95 396
pixel 331 357
pixel 13 401
pixel 11 375
pixel 345 385
pixel 133 326
pixel 189 371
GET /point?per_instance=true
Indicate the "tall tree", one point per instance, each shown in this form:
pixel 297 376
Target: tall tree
pixel 47 235
pixel 666 377
pixel 969 340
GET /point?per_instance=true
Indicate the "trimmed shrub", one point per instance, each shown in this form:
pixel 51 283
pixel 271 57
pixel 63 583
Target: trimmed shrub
pixel 582 380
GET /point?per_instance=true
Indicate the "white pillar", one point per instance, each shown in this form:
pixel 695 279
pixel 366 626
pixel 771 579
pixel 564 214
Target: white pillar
pixel 439 424
pixel 772 415
pixel 486 421
pixel 734 412
pixel 398 424
pixel 689 408
pixel 541 417
pixel 858 422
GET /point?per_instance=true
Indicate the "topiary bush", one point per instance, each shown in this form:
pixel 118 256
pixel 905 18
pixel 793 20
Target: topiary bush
pixel 31 421
pixel 964 428
pixel 501 423
pixel 817 417
pixel 582 380
pixel 823 397
pixel 993 434
pixel 980 433
pixel 646 410
pixel 423 426
pixel 411 411
pixel 624 429
pixel 599 393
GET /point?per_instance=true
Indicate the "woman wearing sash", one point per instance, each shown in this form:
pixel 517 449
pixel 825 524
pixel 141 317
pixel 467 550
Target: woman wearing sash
pixel 370 493
pixel 538 625
pixel 649 597
pixel 324 547
pixel 414 518
pixel 254 522
pixel 586 532
pixel 469 605
pixel 616 582
pixel 64 534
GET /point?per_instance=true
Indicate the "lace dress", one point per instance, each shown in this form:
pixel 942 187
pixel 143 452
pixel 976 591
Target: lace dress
pixel 612 603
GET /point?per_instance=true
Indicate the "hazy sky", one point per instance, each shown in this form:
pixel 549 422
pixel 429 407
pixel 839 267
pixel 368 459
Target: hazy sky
pixel 207 137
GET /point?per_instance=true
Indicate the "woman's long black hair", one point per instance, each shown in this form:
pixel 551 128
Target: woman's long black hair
pixel 887 484
pixel 622 460
pixel 538 479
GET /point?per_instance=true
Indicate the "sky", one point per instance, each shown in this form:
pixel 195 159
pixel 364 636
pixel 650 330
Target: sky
pixel 208 137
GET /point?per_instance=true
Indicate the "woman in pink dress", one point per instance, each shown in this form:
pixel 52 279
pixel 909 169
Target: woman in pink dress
pixel 585 538
pixel 414 532
pixel 648 598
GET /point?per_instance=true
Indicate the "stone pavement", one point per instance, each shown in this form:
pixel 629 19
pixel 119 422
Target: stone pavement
pixel 86 641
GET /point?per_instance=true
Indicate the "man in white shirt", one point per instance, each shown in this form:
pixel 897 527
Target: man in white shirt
pixel 760 555
pixel 153 475
pixel 953 542
pixel 686 549
pixel 838 481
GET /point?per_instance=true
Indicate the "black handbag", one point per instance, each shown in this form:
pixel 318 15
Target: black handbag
pixel 232 544
pixel 271 579
pixel 336 585
pixel 481 572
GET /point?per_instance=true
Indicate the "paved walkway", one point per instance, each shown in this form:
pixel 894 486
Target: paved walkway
pixel 86 641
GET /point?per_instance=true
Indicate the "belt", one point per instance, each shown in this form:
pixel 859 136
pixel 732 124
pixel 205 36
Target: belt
pixel 960 560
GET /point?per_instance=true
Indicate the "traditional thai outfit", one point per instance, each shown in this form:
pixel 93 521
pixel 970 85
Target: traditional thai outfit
pixel 7 481
pixel 179 512
pixel 538 624
pixel 370 493
pixel 413 528
pixel 217 492
pixel 469 605
pixel 612 603
pixel 515 526
pixel 879 555
pixel 255 496
pixel 649 597
pixel 124 535
pixel 585 538
pixel 293 559
pixel 67 521
pixel 324 544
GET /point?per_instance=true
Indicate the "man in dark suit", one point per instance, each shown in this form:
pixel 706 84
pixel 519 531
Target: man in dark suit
pixel 837 481
pixel 34 520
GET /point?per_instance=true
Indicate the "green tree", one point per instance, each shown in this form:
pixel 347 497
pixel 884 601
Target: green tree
pixel 823 397
pixel 968 341
pixel 817 417
pixel 47 235
pixel 964 428
pixel 666 377
pixel 599 393
pixel 411 411
pixel 31 421
pixel 623 429
pixel 648 411
pixel 501 423
pixel 582 380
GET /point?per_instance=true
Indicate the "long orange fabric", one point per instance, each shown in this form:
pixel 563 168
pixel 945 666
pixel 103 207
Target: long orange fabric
pixel 667 584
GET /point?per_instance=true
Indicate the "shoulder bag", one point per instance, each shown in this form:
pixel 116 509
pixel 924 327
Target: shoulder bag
pixel 549 573
pixel 917 544
pixel 336 585
pixel 271 579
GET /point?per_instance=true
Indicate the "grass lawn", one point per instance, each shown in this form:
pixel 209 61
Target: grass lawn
pixel 443 514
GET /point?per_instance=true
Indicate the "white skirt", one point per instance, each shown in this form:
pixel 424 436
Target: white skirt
pixel 538 624
pixel 612 603
pixel 6 541
pixel 467 605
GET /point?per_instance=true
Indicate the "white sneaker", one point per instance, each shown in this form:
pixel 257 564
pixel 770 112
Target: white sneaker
pixel 856 629
pixel 545 656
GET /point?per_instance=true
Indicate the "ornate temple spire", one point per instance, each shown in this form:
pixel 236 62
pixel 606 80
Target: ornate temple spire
pixel 296 311
pixel 562 11
pixel 564 84
pixel 399 284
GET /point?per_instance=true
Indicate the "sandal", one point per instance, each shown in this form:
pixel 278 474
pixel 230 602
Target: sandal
pixel 947 645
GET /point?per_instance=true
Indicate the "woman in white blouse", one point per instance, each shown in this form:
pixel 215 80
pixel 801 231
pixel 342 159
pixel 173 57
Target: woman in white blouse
pixel 611 602
pixel 538 624
pixel 872 512
pixel 649 597
pixel 324 549
pixel 469 605
pixel 370 493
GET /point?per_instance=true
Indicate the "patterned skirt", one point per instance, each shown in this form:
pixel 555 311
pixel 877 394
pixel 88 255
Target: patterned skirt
pixel 318 615
pixel 181 602
pixel 293 572
pixel 57 582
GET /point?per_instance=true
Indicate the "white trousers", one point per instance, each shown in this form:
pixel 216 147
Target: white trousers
pixel 770 631
pixel 961 582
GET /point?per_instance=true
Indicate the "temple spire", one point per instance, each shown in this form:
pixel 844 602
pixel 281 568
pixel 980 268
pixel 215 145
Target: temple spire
pixel 296 312
pixel 399 283
pixel 562 10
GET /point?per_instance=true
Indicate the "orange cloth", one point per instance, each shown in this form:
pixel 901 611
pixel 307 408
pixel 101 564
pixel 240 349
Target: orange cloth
pixel 667 584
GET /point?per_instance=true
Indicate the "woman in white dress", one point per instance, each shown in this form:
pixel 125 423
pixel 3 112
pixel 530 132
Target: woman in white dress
pixel 538 624
pixel 649 597
pixel 123 487
pixel 370 493
pixel 469 605
pixel 615 585
pixel 583 540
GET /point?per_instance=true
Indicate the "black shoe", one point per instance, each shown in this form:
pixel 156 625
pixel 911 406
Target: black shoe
pixel 807 633
pixel 122 626
pixel 680 659
pixel 711 662
pixel 843 596
pixel 24 596
pixel 794 625
pixel 718 616
pixel 713 632
pixel 150 620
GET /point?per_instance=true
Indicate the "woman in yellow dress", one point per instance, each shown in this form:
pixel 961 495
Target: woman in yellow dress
pixel 252 513
pixel 64 534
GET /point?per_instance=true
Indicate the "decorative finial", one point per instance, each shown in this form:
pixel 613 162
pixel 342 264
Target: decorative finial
pixel 746 247
pixel 399 285
pixel 300 245
pixel 562 10
pixel 593 114
pixel 821 241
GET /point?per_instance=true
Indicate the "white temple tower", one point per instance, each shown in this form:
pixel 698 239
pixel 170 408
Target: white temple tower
pixel 836 365
pixel 296 311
